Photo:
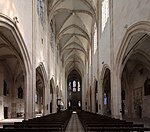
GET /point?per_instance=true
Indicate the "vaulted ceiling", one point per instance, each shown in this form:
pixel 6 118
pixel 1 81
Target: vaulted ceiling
pixel 74 21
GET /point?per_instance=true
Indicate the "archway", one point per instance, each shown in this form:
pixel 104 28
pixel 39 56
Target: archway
pixel 106 93
pixel 135 78
pixel 15 68
pixel 133 54
pixel 40 90
pixel 74 91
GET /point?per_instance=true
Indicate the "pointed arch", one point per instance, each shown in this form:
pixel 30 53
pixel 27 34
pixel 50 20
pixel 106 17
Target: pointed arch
pixel 139 27
pixel 106 90
pixel 13 40
pixel 43 71
pixel 105 67
pixel 10 25
pixel 52 86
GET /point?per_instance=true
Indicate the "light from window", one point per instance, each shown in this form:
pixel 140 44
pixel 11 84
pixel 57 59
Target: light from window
pixel 78 86
pixel 95 39
pixel 69 103
pixel 74 83
pixel 36 98
pixel 74 86
pixel 79 103
pixel 74 89
pixel 69 85
pixel 105 99
pixel 105 13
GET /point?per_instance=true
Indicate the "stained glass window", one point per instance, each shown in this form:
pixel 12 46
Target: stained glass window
pixel 74 83
pixel 69 85
pixel 74 86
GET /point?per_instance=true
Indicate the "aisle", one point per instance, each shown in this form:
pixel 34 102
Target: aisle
pixel 74 124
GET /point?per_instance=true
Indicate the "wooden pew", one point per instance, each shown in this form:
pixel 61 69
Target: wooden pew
pixel 117 129
pixel 53 122
pixel 96 122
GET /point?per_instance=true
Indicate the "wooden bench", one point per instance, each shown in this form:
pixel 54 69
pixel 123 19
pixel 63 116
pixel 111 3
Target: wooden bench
pixel 96 122
pixel 117 129
pixel 54 122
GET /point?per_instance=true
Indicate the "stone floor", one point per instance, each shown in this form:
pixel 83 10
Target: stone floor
pixel 74 124
pixel 9 122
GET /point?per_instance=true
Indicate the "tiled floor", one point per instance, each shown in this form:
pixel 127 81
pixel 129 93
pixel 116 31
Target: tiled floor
pixel 74 124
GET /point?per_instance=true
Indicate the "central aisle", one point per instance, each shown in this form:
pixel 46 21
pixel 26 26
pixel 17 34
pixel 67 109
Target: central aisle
pixel 74 124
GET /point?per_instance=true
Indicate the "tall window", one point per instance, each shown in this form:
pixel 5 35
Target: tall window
pixel 69 85
pixel 105 13
pixel 40 9
pixel 74 86
pixel 36 97
pixel 78 86
pixel 105 99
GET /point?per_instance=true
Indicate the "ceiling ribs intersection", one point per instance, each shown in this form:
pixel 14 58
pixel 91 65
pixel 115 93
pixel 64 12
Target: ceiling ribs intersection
pixel 74 21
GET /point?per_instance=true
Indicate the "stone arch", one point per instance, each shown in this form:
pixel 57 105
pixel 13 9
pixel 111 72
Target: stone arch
pixel 106 90
pixel 105 66
pixel 139 27
pixel 15 48
pixel 132 66
pixel 43 70
pixel 41 86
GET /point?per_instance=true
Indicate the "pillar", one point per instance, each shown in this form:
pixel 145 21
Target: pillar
pixel 29 97
pixel 115 95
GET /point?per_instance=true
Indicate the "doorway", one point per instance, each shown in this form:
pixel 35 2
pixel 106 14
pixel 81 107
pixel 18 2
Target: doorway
pixel 5 112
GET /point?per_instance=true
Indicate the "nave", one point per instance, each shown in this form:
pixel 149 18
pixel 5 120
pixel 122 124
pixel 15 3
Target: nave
pixel 75 121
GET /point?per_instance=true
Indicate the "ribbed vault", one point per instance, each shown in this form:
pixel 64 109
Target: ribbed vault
pixel 74 21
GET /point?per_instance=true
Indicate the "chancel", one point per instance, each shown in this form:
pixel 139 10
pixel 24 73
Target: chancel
pixel 75 65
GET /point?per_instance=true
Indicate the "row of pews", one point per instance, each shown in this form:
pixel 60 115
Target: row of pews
pixel 99 123
pixel 56 122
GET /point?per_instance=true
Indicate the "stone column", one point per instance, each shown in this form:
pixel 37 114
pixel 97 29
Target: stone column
pixel 54 103
pixel 115 95
pixel 29 97
pixel 115 78
pixel 100 92
pixel 100 97
pixel 46 98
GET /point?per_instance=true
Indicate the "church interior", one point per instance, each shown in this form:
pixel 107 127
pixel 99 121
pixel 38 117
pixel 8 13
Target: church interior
pixel 75 58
